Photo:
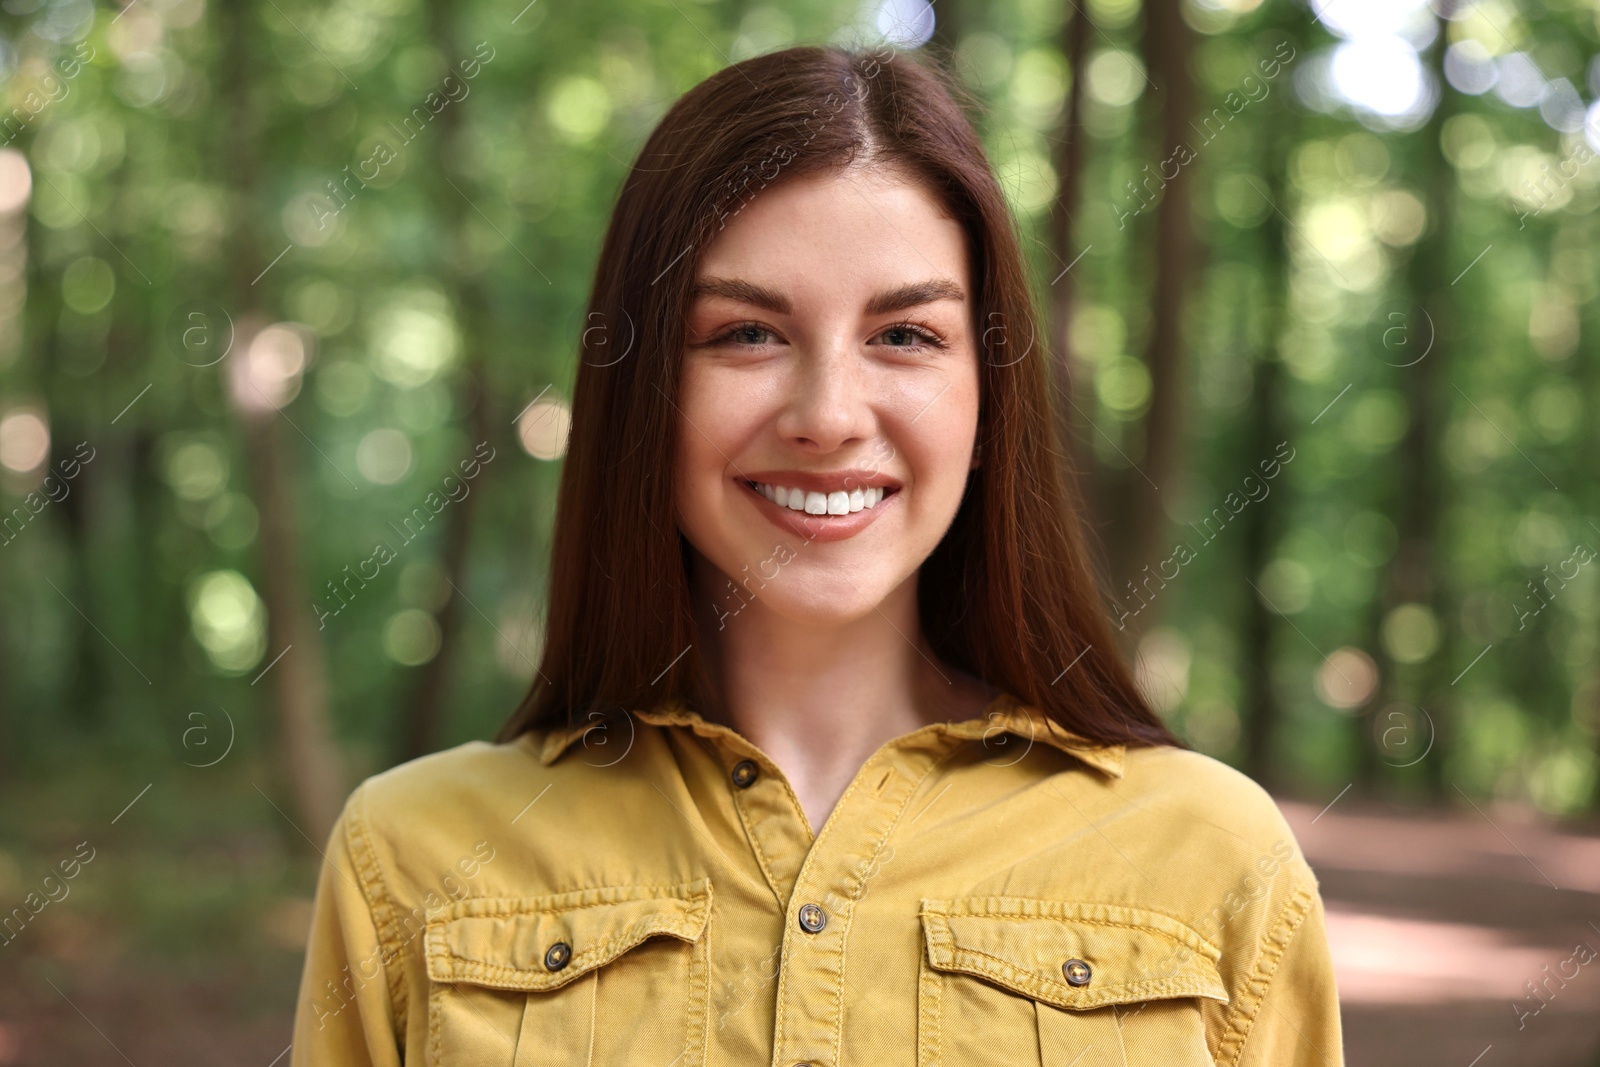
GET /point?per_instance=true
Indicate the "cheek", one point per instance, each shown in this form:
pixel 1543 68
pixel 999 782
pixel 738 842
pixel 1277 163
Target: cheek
pixel 692 446
pixel 715 410
pixel 946 429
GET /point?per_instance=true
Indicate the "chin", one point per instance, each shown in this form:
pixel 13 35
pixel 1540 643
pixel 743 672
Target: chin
pixel 821 600
pixel 823 613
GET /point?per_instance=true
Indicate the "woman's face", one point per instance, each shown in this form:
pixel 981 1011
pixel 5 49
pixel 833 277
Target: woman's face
pixel 829 365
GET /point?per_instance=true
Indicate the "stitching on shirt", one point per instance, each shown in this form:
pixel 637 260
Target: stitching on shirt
pixel 989 912
pixel 1056 918
pixel 894 822
pixel 594 1011
pixel 706 742
pixel 755 843
pixel 1241 1019
pixel 631 936
pixel 699 1001
pixel 374 887
pixel 435 1009
pixel 929 1039
pixel 490 907
pixel 1032 984
pixel 709 733
pixel 464 968
pixel 932 980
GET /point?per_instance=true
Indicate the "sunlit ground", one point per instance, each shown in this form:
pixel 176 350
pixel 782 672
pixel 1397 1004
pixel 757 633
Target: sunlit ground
pixel 1439 923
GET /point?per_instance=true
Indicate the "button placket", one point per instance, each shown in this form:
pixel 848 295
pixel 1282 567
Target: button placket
pixel 772 816
pixel 810 1007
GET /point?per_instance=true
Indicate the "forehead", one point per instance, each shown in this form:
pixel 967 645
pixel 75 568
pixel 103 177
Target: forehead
pixel 837 232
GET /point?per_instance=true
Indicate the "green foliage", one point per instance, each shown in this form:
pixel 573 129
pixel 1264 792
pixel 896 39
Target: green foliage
pixel 207 151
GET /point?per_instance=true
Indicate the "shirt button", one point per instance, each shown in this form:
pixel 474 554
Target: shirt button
pixel 744 772
pixel 558 955
pixel 1077 972
pixel 812 918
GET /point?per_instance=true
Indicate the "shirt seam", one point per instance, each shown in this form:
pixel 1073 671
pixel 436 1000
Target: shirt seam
pixel 1142 928
pixel 380 902
pixel 844 944
pixel 1242 1016
pixel 692 898
pixel 710 747
pixel 1008 973
pixel 755 841
pixel 598 954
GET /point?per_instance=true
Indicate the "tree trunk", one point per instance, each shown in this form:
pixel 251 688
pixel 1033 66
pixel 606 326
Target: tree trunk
pixel 1586 708
pixel 424 713
pixel 299 678
pixel 298 681
pixel 1167 47
pixel 1413 574
pixel 1263 522
pixel 1069 159
pixel 1137 494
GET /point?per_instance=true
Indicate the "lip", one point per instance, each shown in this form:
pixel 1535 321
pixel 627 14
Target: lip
pixel 826 481
pixel 820 527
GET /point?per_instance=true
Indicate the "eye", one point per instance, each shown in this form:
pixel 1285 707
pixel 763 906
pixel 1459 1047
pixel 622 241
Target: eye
pixel 745 335
pixel 909 337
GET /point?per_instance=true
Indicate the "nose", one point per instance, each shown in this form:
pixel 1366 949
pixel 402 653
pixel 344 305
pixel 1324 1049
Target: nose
pixel 828 406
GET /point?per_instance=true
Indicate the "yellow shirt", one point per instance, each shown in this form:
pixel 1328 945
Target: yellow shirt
pixel 651 894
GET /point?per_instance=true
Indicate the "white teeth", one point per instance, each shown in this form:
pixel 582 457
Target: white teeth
pixel 838 502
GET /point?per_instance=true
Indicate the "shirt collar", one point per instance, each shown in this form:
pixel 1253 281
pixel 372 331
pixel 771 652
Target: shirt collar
pixel 1004 712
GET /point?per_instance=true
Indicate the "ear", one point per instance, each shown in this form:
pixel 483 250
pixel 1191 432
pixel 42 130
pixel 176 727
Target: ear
pixel 977 456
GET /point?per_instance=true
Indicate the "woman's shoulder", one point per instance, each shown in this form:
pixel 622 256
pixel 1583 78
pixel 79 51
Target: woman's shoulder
pixel 468 767
pixel 444 800
pixel 1221 858
pixel 1207 793
pixel 1212 839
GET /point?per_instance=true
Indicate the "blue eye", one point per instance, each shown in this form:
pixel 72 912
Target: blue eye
pixel 914 338
pixel 745 335
pixel 904 336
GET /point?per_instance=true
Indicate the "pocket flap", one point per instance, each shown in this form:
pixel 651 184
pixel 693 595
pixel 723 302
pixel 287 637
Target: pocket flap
pixel 1022 944
pixel 500 942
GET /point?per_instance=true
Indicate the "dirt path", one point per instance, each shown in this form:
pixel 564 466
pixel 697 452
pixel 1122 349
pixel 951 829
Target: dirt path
pixel 1443 925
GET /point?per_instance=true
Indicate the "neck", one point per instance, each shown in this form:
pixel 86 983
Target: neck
pixel 820 698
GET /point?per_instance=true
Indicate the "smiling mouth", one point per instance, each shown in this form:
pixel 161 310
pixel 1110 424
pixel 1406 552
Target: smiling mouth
pixel 817 504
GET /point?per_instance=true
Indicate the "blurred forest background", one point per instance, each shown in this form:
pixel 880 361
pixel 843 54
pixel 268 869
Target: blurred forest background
pixel 289 299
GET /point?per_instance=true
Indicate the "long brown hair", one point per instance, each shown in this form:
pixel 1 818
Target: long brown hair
pixel 1008 595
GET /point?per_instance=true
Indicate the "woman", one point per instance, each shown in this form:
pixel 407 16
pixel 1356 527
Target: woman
pixel 831 758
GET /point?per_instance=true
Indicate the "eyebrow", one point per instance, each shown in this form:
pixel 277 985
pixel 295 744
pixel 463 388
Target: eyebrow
pixel 899 298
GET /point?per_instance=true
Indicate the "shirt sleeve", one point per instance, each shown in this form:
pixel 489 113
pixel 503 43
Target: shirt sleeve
pixel 345 1014
pixel 1288 1013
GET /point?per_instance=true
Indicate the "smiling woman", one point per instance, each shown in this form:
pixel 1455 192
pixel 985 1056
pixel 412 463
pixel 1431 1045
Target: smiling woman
pixel 822 620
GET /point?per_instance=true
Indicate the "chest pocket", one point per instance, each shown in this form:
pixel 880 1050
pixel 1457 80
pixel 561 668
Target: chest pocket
pixel 608 975
pixel 995 976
